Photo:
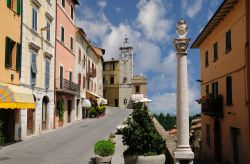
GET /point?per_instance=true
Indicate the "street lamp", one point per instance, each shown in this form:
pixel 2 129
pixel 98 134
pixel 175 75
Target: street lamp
pixel 183 152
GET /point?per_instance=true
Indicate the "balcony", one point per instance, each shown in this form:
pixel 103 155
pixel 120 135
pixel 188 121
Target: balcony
pixel 91 72
pixel 68 86
pixel 214 107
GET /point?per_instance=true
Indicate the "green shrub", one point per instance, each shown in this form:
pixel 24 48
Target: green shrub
pixel 104 148
pixel 1 133
pixel 141 136
pixel 92 111
pixel 61 110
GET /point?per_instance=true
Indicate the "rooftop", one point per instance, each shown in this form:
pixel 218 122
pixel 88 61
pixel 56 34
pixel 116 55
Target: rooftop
pixel 218 16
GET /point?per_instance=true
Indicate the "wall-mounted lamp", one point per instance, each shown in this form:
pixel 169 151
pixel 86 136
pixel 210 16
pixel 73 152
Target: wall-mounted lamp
pixel 198 80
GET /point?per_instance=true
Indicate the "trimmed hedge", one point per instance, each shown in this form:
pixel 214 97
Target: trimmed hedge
pixel 104 148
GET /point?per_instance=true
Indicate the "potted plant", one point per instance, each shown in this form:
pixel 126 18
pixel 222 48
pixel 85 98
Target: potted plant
pixel 104 150
pixel 145 145
pixel 92 112
pixel 112 138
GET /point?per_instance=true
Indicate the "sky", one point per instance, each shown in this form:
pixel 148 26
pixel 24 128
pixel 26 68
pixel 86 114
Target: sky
pixel 150 27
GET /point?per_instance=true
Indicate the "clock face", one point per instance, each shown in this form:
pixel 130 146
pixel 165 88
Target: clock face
pixel 124 55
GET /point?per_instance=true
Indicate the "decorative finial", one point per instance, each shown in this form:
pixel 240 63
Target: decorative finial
pixel 126 39
pixel 182 28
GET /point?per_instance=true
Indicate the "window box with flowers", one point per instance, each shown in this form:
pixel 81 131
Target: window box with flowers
pixel 211 105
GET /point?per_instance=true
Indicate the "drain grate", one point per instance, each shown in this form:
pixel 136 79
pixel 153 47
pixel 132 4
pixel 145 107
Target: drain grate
pixel 4 158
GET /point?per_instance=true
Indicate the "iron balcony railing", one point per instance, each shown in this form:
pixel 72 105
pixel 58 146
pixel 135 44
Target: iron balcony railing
pixel 67 86
pixel 214 107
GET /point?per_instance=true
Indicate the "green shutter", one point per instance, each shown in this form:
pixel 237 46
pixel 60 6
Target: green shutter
pixel 7 51
pixel 18 57
pixel 9 3
pixel 19 7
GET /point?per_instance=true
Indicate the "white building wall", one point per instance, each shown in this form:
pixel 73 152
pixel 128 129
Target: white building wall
pixel 45 47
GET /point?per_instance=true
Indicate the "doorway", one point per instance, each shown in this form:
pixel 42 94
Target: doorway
pixel 8 128
pixel 236 145
pixel 45 113
pixel 69 110
pixel 116 102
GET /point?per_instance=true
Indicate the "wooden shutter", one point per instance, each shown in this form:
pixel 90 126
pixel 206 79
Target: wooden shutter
pixel 7 52
pixel 47 74
pixel 18 57
pixel 79 79
pixel 33 69
pixel 229 90
pixel 83 82
pixel 9 3
pixel 19 7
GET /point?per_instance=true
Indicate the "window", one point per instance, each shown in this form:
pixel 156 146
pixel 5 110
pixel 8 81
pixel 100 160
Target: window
pixel 207 89
pixel 103 80
pixel 112 80
pixel 34 19
pixel 12 54
pixel 208 135
pixel 70 76
pixel 48 31
pixel 79 57
pixel 215 51
pixel 83 82
pixel 79 79
pixel 47 73
pixel 14 5
pixel 88 85
pixel 228 41
pixel 229 98
pixel 71 43
pixel 33 69
pixel 112 66
pixel 62 34
pixel 72 12
pixel 206 59
pixel 137 89
pixel 84 61
pixel 215 89
pixel 125 80
pixel 63 3
pixel 61 77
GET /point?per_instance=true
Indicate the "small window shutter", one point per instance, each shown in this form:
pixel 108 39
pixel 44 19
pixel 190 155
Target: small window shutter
pixel 18 57
pixel 9 3
pixel 33 69
pixel 229 90
pixel 7 51
pixel 19 7
pixel 47 74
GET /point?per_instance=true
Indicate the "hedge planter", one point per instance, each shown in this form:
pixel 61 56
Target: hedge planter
pixel 103 160
pixel 104 151
pixel 152 159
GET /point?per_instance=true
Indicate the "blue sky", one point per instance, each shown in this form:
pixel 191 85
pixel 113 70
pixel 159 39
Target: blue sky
pixel 150 26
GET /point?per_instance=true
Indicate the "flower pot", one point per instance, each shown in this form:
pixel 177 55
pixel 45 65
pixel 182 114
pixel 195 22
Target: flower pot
pixel 103 160
pixel 113 140
pixel 152 159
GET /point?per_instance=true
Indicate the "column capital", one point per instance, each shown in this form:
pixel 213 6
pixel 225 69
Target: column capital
pixel 181 45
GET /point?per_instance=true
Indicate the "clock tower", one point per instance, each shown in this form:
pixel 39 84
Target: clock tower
pixel 126 73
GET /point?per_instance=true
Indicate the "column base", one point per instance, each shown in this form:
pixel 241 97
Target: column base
pixel 183 154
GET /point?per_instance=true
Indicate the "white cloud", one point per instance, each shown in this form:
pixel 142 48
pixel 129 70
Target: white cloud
pixel 166 102
pixel 118 9
pixel 102 3
pixel 192 7
pixel 152 20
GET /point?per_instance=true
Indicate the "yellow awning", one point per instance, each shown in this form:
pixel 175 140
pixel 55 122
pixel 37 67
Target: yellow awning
pixel 15 97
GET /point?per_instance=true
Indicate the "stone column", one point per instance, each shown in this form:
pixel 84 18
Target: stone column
pixel 183 153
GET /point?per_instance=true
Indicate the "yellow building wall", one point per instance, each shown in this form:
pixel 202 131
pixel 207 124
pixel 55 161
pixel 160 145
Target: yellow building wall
pixel 228 64
pixel 10 26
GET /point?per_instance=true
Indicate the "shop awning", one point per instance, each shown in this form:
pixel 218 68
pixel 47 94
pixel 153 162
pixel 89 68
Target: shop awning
pixel 92 95
pixel 15 97
pixel 137 97
pixel 86 103
pixel 102 101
